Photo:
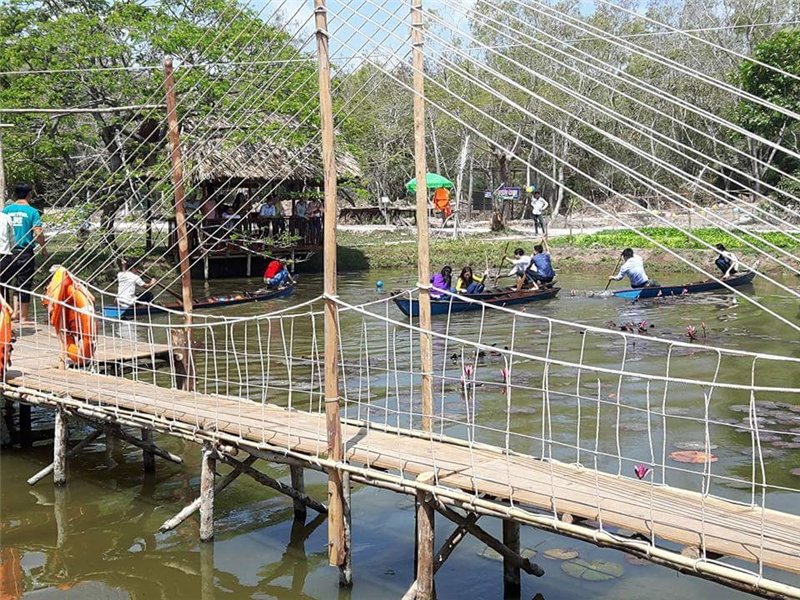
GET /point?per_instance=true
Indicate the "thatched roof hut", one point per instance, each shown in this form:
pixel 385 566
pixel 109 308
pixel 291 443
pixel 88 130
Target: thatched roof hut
pixel 220 152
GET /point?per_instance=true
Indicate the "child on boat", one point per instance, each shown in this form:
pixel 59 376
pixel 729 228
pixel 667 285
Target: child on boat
pixel 469 283
pixel 726 261
pixel 520 262
pixel 276 275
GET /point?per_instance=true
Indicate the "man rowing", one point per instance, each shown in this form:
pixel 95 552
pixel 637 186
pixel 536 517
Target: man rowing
pixel 633 268
pixel 540 268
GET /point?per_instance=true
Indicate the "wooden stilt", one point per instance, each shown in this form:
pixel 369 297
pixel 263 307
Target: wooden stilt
pixel 60 448
pixel 25 432
pixel 207 465
pixel 75 450
pixel 117 432
pixel 60 514
pixel 298 483
pixel 148 457
pixel 346 570
pixel 425 539
pixel 192 508
pixel 275 484
pixel 511 573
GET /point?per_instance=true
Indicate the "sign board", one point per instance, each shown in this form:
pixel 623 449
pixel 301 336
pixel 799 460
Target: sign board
pixel 487 195
pixel 509 193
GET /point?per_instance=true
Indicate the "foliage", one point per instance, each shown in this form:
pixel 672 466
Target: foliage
pixel 671 238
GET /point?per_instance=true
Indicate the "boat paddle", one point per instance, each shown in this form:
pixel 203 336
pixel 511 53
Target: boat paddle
pixel 608 283
pixel 500 266
pixel 169 291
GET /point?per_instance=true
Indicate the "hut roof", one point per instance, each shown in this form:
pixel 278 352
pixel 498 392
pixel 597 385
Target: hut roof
pixel 216 151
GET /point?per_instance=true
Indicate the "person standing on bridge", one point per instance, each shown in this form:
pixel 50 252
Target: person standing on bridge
pixel 633 268
pixel 538 207
pixel 27 223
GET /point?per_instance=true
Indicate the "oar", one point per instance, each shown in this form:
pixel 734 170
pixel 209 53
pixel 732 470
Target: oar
pixel 169 291
pixel 500 266
pixel 608 283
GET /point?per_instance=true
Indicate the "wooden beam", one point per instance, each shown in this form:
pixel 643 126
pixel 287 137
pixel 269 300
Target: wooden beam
pixel 194 506
pixel 70 453
pixel 207 464
pixel 180 216
pixel 336 535
pixel 118 432
pixel 423 255
pixel 60 447
pixel 274 484
pixel 504 551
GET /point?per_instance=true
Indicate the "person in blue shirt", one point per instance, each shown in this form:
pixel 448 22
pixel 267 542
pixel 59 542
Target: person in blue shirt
pixel 540 269
pixel 27 223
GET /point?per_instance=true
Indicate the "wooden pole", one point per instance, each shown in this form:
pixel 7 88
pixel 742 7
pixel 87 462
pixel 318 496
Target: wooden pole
pixel 298 483
pixel 60 448
pixel 148 458
pixel 207 589
pixel 512 585
pixel 346 571
pixel 75 450
pixel 180 214
pixel 207 465
pixel 423 255
pixel 425 540
pixel 336 535
pixel 25 428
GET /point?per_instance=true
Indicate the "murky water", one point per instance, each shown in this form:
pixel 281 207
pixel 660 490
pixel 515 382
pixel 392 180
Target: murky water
pixel 98 537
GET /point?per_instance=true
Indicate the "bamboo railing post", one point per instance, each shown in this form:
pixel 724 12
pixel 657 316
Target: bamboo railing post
pixel 180 215
pixel 336 532
pixel 423 255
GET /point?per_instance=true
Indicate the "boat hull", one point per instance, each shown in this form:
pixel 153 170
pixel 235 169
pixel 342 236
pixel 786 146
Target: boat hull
pixel 410 307
pixel 115 312
pixel 682 290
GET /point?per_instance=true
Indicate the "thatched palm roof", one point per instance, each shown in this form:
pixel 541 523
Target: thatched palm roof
pixel 220 151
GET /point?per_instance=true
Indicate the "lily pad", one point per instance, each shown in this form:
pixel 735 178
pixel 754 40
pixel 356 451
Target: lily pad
pixel 491 554
pixel 561 553
pixel 596 570
pixel 739 408
pixel 787 445
pixel 700 446
pixel 692 456
pixel 633 426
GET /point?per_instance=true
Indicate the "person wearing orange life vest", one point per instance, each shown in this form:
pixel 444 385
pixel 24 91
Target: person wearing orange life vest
pixel 276 274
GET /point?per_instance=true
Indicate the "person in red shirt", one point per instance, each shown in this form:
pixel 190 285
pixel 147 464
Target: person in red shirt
pixel 276 274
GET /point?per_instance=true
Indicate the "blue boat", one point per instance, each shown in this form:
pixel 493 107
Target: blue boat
pixel 682 290
pixel 115 312
pixel 451 304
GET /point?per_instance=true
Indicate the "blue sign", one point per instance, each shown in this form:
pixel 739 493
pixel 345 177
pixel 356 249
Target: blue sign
pixel 509 193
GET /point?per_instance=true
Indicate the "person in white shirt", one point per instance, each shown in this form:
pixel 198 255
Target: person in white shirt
pixel 633 268
pixel 128 280
pixel 726 261
pixel 538 207
pixel 520 262
pixel 7 244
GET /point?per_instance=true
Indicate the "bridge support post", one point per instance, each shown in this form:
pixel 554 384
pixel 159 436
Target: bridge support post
pixel 60 437
pixel 207 571
pixel 298 483
pixel 346 569
pixel 512 587
pixel 25 432
pixel 425 539
pixel 207 464
pixel 148 458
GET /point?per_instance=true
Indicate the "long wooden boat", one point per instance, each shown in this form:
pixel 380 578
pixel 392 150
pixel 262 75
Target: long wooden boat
pixel 443 306
pixel 709 285
pixel 116 312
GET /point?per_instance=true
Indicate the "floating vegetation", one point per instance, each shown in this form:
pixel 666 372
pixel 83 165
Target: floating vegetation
pixel 696 446
pixel 596 570
pixel 693 457
pixel 561 553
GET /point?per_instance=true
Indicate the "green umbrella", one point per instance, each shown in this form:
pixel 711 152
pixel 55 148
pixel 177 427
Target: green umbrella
pixel 433 181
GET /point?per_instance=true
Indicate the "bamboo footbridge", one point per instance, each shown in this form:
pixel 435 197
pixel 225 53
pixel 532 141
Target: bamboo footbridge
pixel 683 529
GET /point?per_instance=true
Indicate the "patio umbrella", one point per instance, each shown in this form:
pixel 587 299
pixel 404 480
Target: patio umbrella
pixel 433 181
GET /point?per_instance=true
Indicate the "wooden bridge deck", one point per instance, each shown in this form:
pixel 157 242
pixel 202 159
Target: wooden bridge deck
pixel 668 513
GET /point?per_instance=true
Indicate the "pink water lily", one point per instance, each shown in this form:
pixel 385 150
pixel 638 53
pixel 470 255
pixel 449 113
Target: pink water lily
pixel 691 332
pixel 468 370
pixel 642 471
pixel 504 373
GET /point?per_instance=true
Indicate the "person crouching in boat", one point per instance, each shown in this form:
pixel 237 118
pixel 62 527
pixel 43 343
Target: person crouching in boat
pixel 441 282
pixel 726 261
pixel 276 275
pixel 520 262
pixel 469 283
pixel 540 269
pixel 128 280
pixel 633 268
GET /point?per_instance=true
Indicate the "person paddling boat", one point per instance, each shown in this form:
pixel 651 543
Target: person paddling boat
pixel 633 269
